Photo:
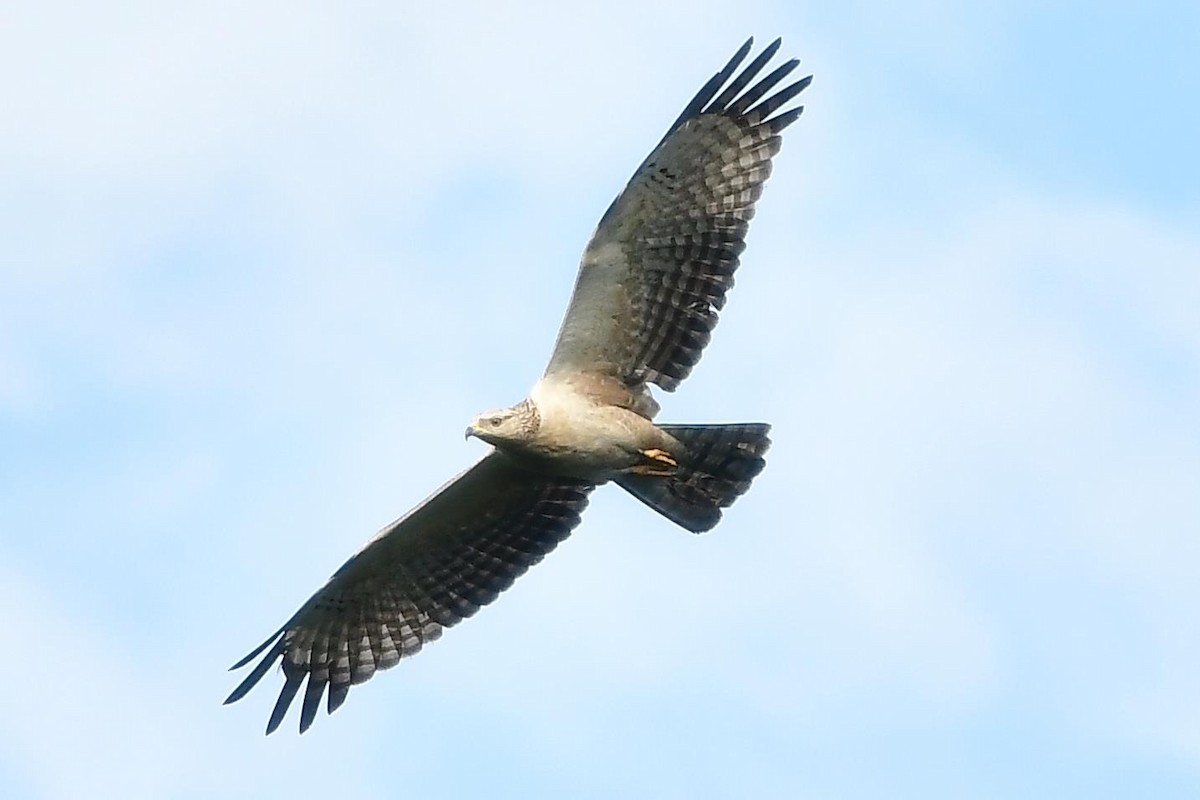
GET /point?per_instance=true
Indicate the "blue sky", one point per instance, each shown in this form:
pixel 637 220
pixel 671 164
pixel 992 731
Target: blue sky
pixel 260 262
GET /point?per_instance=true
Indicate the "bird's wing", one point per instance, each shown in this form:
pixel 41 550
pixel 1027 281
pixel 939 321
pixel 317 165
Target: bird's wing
pixel 656 271
pixel 435 566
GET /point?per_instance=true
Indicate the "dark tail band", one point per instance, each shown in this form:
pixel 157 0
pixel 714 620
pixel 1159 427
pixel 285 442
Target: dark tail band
pixel 720 463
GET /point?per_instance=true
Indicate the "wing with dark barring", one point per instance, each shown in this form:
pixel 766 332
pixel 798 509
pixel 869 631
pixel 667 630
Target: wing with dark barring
pixel 657 270
pixel 439 564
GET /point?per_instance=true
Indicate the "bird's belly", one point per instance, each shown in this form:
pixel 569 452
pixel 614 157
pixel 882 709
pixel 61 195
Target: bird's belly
pixel 590 443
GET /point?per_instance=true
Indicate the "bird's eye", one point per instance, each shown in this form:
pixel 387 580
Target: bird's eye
pixel 494 422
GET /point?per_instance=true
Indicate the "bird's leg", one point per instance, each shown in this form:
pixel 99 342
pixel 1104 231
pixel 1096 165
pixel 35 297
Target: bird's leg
pixel 659 462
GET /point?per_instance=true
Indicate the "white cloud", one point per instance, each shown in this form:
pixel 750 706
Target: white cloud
pixel 76 714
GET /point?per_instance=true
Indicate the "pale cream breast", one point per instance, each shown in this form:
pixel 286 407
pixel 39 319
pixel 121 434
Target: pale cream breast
pixel 588 437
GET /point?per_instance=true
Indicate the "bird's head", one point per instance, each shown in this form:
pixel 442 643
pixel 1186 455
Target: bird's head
pixel 505 425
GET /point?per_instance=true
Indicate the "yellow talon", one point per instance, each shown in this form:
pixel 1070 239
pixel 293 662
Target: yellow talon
pixel 660 455
pixel 661 463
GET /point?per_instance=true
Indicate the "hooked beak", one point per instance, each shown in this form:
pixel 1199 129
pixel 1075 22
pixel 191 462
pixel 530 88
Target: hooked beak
pixel 470 432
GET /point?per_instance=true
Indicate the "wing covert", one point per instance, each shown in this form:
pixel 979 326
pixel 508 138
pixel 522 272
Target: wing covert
pixel 656 272
pixel 435 566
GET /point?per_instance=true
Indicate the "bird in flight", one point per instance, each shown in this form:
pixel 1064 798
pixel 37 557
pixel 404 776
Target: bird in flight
pixel 650 285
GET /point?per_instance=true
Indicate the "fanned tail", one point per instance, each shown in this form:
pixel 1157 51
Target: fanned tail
pixel 720 463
